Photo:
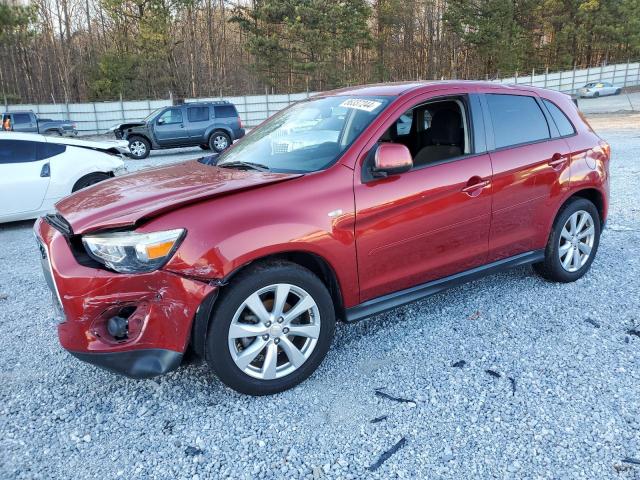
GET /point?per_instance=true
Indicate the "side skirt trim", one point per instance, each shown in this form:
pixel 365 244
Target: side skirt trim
pixel 402 297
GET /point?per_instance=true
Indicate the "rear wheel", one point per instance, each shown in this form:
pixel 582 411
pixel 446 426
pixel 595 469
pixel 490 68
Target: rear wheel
pixel 89 180
pixel 573 242
pixel 219 142
pixel 271 329
pixel 618 91
pixel 139 147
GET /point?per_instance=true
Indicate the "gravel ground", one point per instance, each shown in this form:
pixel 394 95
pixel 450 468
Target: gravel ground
pixel 507 377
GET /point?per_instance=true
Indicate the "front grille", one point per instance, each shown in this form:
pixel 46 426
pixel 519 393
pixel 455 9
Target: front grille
pixel 58 222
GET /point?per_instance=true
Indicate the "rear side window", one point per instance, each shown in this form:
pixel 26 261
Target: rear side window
pixel 226 111
pixel 198 114
pixel 562 122
pixel 516 119
pixel 48 150
pixel 21 118
pixel 17 151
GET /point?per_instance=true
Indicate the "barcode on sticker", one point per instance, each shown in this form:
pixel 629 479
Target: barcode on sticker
pixel 361 104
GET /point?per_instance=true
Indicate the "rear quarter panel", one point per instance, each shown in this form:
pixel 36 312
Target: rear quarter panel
pixel 589 167
pixel 73 164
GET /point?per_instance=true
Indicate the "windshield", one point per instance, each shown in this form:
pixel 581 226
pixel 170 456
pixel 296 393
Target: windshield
pixel 308 136
pixel 153 114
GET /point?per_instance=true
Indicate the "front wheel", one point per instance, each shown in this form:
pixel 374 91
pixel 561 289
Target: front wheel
pixel 139 147
pixel 271 328
pixel 573 242
pixel 219 142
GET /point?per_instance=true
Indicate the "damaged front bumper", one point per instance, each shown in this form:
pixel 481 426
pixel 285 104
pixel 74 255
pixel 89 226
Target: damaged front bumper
pixel 157 307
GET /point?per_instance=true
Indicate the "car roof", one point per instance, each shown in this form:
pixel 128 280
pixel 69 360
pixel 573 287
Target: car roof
pixel 403 88
pixel 34 137
pixel 18 111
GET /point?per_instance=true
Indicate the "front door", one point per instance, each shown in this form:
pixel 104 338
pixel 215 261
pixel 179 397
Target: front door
pixel 23 183
pixel 170 129
pixel 434 220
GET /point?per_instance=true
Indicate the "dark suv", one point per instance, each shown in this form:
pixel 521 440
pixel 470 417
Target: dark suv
pixel 211 125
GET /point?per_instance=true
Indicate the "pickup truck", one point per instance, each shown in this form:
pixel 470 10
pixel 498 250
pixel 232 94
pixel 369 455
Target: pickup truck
pixel 28 122
pixel 210 125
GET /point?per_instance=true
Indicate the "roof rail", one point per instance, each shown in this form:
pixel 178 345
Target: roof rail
pixel 213 102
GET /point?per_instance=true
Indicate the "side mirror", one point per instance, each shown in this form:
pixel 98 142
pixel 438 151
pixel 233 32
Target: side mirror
pixel 161 121
pixel 391 159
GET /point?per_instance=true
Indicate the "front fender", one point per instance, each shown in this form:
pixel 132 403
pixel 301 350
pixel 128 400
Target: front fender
pixel 312 214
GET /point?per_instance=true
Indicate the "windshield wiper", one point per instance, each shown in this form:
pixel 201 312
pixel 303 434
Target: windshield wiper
pixel 251 165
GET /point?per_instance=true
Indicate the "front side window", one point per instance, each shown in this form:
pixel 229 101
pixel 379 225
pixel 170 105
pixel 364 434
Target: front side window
pixel 516 119
pixel 17 151
pixel 433 131
pixel 565 127
pixel 173 115
pixel 307 137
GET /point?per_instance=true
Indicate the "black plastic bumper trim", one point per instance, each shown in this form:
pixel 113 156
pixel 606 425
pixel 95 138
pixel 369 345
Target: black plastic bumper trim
pixel 145 363
pixel 393 300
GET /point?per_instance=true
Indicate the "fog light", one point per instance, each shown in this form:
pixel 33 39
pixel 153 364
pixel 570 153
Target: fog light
pixel 118 327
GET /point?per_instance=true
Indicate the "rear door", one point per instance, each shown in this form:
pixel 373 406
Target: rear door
pixel 170 129
pixel 530 171
pixel 24 179
pixel 198 117
pixel 432 221
pixel 24 122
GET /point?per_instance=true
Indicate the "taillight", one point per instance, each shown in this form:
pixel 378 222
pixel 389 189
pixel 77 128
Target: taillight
pixel 240 122
pixel 606 149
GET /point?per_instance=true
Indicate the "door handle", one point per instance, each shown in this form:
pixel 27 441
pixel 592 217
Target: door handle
pixel 475 186
pixel 558 160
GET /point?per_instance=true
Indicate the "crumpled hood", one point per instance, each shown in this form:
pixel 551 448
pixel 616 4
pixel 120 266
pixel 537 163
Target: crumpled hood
pixel 123 201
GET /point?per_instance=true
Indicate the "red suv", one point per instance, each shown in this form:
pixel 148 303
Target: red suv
pixel 339 207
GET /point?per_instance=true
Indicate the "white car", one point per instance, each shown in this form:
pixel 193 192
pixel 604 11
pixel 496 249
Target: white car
pixel 598 89
pixel 37 171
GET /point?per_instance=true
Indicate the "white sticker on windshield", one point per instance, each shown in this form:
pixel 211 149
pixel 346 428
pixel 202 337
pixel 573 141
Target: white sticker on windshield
pixel 361 104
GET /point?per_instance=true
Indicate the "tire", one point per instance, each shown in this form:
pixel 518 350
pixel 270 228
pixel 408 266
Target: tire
pixel 552 267
pixel 618 91
pixel 205 147
pixel 219 141
pixel 270 337
pixel 53 133
pixel 139 147
pixel 596 95
pixel 89 180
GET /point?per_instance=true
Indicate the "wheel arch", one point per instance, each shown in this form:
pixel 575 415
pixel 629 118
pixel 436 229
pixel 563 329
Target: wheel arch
pixel 95 172
pixel 595 196
pixel 218 128
pixel 318 265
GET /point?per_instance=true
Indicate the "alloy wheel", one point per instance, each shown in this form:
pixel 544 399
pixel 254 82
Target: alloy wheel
pixel 220 142
pixel 576 240
pixel 274 331
pixel 137 148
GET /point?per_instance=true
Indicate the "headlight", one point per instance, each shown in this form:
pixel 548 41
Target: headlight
pixel 128 252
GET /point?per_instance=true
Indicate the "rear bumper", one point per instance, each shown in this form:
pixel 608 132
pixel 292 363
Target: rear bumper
pixel 136 363
pixel 159 307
